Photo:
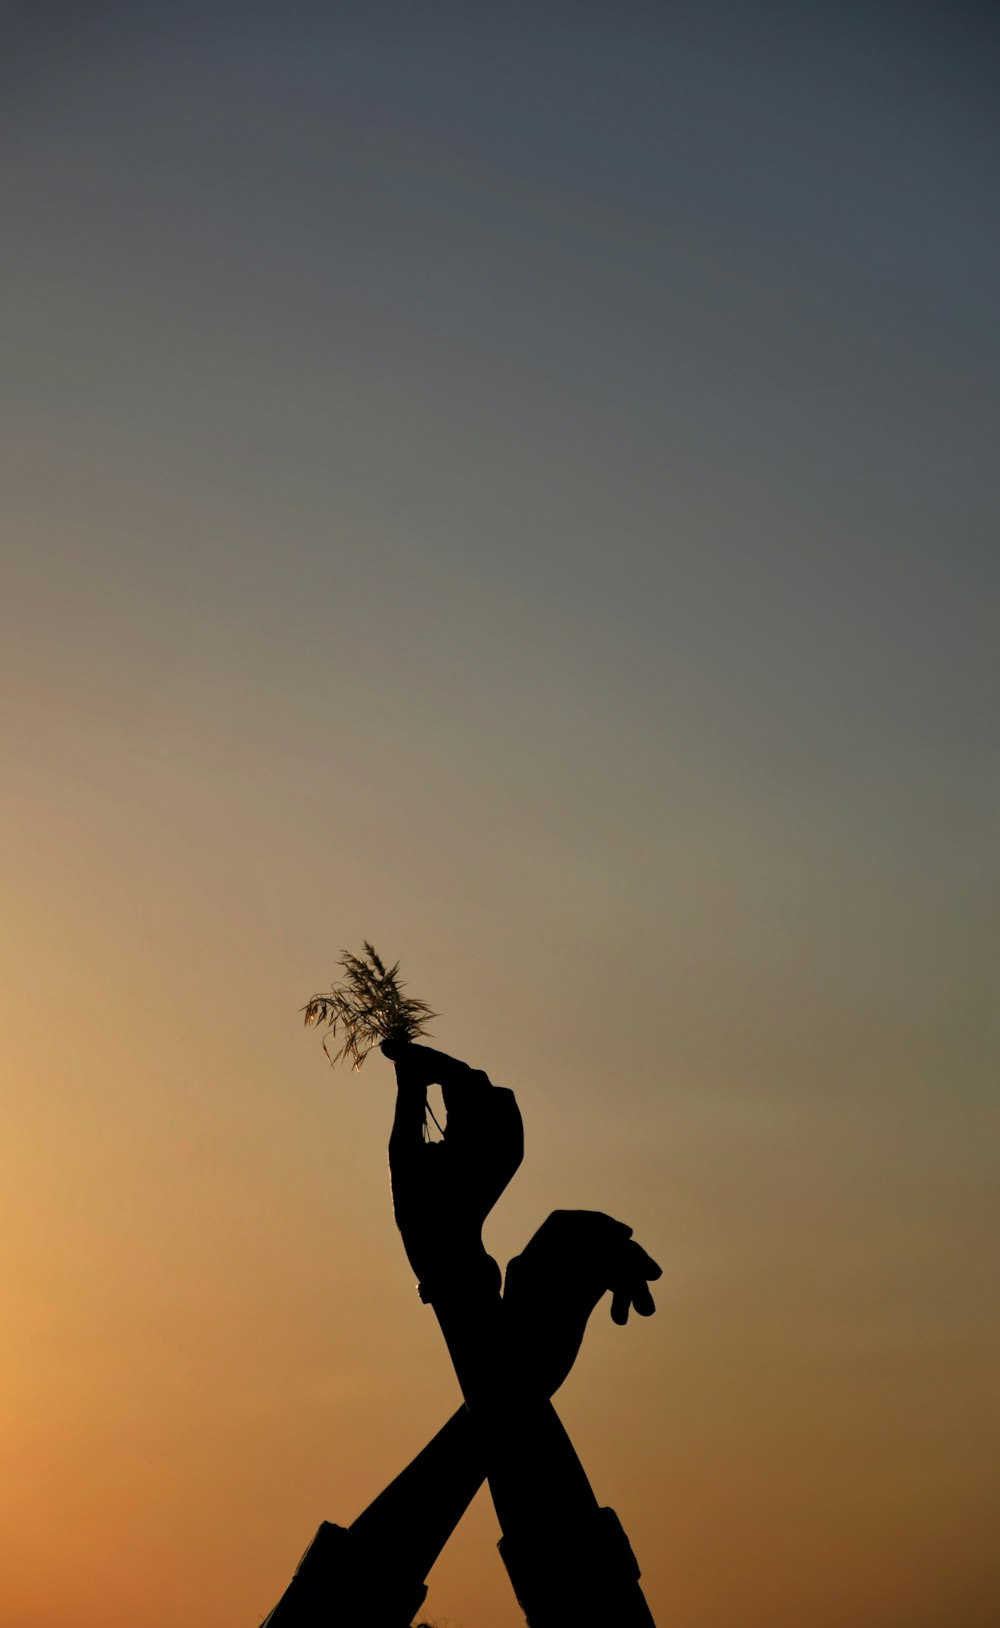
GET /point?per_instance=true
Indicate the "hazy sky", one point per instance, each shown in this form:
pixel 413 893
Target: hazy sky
pixel 517 484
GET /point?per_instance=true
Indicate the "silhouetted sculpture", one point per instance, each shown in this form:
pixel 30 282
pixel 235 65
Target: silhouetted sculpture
pixel 569 1560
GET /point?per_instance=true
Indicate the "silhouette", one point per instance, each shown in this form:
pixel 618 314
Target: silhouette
pixel 568 1559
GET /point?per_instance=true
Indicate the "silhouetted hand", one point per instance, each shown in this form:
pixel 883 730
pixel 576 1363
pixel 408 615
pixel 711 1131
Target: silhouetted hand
pixel 443 1191
pixel 553 1286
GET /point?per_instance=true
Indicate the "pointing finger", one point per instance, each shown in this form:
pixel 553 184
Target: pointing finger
pixel 620 1303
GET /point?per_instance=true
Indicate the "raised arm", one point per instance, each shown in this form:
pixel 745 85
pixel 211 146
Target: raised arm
pixel 568 1559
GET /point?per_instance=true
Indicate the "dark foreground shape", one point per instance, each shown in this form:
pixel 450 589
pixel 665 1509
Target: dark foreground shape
pixel 569 1560
pixel 338 1584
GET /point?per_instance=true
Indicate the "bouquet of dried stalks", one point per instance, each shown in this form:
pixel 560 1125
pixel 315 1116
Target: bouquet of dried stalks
pixel 367 1007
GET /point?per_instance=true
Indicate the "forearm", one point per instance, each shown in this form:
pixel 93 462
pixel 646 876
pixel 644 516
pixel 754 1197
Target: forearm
pixel 529 1459
pixel 545 1505
pixel 372 1574
pixel 413 1518
pixel 341 1583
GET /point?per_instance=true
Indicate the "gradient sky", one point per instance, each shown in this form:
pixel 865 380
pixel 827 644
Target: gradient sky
pixel 518 484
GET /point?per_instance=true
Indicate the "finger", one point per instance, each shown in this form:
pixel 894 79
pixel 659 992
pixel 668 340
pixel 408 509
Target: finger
pixel 406 1139
pixel 643 1264
pixel 621 1300
pixel 415 1065
pixel 463 1088
pixel 433 1067
pixel 642 1300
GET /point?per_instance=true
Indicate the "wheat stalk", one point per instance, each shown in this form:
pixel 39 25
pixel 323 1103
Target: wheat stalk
pixel 366 1008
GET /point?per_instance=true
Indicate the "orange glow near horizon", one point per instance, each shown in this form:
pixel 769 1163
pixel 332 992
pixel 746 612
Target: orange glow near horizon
pixel 514 490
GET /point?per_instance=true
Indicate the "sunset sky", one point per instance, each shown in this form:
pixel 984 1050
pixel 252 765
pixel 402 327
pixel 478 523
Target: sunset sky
pixel 515 483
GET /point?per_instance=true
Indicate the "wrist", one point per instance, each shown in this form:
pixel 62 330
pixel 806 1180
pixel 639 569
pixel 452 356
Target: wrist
pixel 463 1277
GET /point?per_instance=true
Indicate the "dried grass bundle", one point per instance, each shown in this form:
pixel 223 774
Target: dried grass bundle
pixel 366 1008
